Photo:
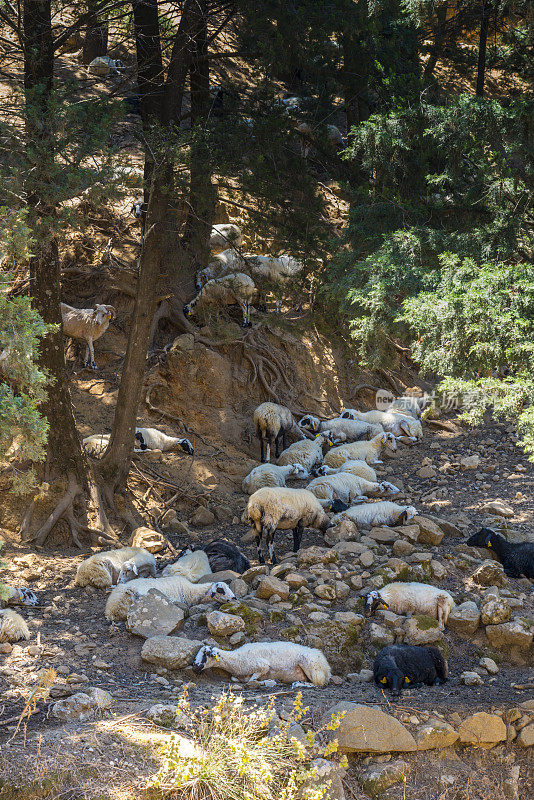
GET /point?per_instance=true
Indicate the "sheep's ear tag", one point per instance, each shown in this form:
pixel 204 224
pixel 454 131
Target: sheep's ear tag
pixel 383 680
pixel 407 680
pixel 217 657
pixel 488 541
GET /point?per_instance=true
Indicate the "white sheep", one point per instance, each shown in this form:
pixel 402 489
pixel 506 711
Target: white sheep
pixel 225 235
pixel 355 467
pixel 280 661
pixel 395 422
pixel 365 451
pixel 308 452
pixel 102 66
pixel 414 598
pixel 177 588
pixel 413 406
pixel 279 507
pixel 152 439
pixel 308 138
pixel 346 487
pixel 384 512
pixel 17 596
pixel 234 289
pixel 107 568
pixel 88 324
pixel 222 264
pixel 347 430
pixel 272 423
pixel 13 627
pixel 192 565
pixel 271 475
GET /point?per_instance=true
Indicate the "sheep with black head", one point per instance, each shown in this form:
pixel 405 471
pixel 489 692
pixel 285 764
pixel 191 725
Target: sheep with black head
pixel 401 665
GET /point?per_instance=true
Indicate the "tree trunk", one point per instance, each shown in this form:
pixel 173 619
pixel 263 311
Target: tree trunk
pixel 356 66
pixel 482 46
pixel 96 35
pixel 439 39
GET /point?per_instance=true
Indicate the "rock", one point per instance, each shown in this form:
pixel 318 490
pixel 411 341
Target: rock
pixel 526 736
pixel 422 630
pixel 435 734
pixel 366 675
pixel 180 528
pixel 427 472
pixel 325 592
pixel 366 729
pixel 34 650
pixel 356 582
pixel 379 777
pixel 237 638
pixel 225 575
pixel 344 531
pixel 317 555
pixel 489 665
pixel 154 614
pixel 471 679
pixel 383 535
pixel 410 532
pixel 489 573
pixel 494 612
pixel 238 587
pixel 167 716
pixel 367 558
pixel 101 699
pixel 79 707
pixel 498 507
pixel 327 779
pixel 464 619
pixel 470 462
pixel 201 517
pixel 448 528
pixel 254 572
pixel 429 532
pixel 221 624
pixel 482 729
pixel 339 641
pixel 348 549
pixel 402 548
pixel 223 512
pixel 153 541
pixel 295 580
pixel 438 570
pixel 172 652
pixel 342 589
pixel 509 634
pixel 270 586
pixel 6 648
pixel 379 636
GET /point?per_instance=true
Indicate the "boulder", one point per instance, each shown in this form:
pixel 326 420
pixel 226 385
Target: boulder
pixel 254 572
pixel 429 532
pixel 489 573
pixel 482 729
pixel 498 507
pixel 410 532
pixel 221 624
pixel 448 528
pixel 489 665
pixel 422 630
pixel 526 736
pixel 339 640
pixel 154 614
pixel 344 531
pixel 367 558
pixel 464 619
pixel 327 777
pixel 325 592
pixel 238 587
pixel 427 472
pixel 383 535
pixel 167 716
pixel 494 612
pixel 172 652
pixel 366 729
pixel 379 636
pixel 318 555
pixel 379 777
pixel 295 580
pixel 225 575
pixel 153 541
pixel 435 734
pixel 509 634
pixel 82 705
pixel 202 517
pixel 270 586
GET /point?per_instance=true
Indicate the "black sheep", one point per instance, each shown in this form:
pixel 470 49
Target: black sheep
pixel 399 665
pixel 223 554
pixel 517 559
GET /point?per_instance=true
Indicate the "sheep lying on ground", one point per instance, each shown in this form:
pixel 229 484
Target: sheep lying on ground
pixel 345 487
pixel 177 588
pixel 270 509
pixel 17 596
pixel 351 430
pixel 271 475
pixel 308 453
pixel 414 598
pixel 382 513
pixel 393 421
pixel 104 569
pixel 401 665
pixel 102 66
pixel 87 324
pixel 234 289
pixel 365 451
pixel 409 405
pixel 152 439
pixel 13 627
pixel 272 423
pixel 193 565
pixel 225 235
pixel 517 558
pixel 356 467
pixel 279 661
pixel 223 555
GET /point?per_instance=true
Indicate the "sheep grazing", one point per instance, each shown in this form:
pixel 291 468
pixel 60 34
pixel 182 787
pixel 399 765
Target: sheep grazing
pixel 13 627
pixel 345 487
pixel 517 558
pixel 271 475
pixel 225 235
pixel 400 665
pixel 281 508
pixel 272 423
pixel 365 451
pixel 223 555
pixel 412 598
pixel 351 430
pixel 88 324
pixel 192 565
pixel 396 422
pixel 308 453
pixel 17 596
pixel 280 661
pixel 382 513
pixel 109 567
pixel 152 439
pixel 177 588
pixel 102 66
pixel 234 289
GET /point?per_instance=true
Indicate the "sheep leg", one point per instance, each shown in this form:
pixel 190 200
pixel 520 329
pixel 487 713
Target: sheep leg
pixel 258 546
pixel 269 540
pixel 440 616
pixel 262 454
pixel 277 446
pixel 89 351
pixel 269 443
pixel 297 537
pixel 377 461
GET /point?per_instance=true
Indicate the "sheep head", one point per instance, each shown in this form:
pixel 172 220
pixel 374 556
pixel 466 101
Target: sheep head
pixel 128 571
pixel 299 471
pixel 482 538
pixel 220 592
pixel 348 413
pixel 103 313
pixel 22 597
pixel 374 602
pixel 310 423
pixel 409 513
pixel 390 676
pixel 186 446
pixel 389 441
pixel 205 658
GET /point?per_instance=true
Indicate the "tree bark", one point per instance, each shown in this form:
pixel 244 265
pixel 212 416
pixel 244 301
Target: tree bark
pixel 356 66
pixel 482 46
pixel 439 40
pixel 96 35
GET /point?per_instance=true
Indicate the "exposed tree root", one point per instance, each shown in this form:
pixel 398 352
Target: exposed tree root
pixel 64 504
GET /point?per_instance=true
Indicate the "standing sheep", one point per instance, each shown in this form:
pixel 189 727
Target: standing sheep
pixel 308 452
pixel 366 451
pixel 398 665
pixel 234 289
pixel 87 324
pixel 272 423
pixel 412 598
pixel 271 475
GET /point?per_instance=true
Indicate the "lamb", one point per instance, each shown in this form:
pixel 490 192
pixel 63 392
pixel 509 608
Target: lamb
pixel 236 288
pixel 415 598
pixel 356 467
pixel 382 513
pixel 192 565
pixel 346 487
pixel 351 430
pixel 393 421
pixel 177 588
pixel 272 422
pixel 270 509
pixel 282 661
pixel 308 452
pixel 109 567
pixel 17 596
pixel 517 558
pixel 366 451
pixel 271 475
pixel 88 324
pixel 225 235
pixel 102 66
pixel 13 627
pixel 223 555
pixel 398 665
pixel 152 439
